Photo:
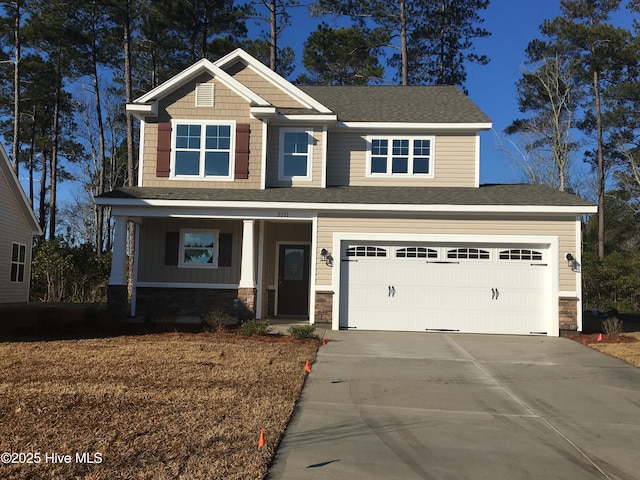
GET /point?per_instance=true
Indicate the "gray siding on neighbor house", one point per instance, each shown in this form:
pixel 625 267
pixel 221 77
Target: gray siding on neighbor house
pixel 13 228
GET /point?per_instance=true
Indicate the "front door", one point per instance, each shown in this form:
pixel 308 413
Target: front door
pixel 293 280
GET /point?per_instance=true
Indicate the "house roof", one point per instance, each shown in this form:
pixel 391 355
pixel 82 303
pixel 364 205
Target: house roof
pixel 401 104
pixel 514 197
pixel 18 193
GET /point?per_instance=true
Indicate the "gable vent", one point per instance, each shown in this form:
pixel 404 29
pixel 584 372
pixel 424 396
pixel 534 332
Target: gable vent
pixel 204 95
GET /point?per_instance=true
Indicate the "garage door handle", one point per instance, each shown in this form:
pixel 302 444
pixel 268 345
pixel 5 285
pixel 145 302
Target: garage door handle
pixel 392 291
pixel 497 293
pixel 493 294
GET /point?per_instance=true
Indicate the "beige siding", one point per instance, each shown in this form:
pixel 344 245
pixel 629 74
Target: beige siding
pixel 454 161
pixel 181 105
pixel 151 267
pixel 463 225
pixel 13 228
pixel 267 90
pixel 273 157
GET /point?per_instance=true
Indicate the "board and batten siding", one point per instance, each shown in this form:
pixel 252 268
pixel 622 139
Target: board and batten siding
pixel 564 228
pixel 454 161
pixel 13 228
pixel 273 158
pixel 152 268
pixel 181 105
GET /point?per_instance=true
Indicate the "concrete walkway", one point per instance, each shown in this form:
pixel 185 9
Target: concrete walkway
pixel 382 405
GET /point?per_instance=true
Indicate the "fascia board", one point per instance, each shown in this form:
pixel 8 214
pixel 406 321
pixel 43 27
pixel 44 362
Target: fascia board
pixel 140 110
pixel 352 207
pixel 415 126
pixel 322 118
pixel 272 77
pixel 202 66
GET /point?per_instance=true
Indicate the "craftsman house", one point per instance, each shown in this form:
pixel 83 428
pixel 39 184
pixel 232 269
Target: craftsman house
pixel 355 206
pixel 18 225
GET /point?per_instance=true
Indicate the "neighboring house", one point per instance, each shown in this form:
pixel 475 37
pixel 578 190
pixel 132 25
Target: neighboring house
pixel 356 206
pixel 18 225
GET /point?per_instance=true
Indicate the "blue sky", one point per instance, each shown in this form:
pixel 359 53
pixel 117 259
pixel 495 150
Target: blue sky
pixel 513 24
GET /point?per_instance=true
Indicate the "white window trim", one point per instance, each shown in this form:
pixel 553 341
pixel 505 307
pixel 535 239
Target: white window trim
pixel 203 124
pixel 18 263
pixel 390 138
pixel 281 175
pixel 216 249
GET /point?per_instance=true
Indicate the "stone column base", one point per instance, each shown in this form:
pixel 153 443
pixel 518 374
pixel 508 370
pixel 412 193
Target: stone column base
pixel 324 307
pixel 247 303
pixel 117 301
pixel 568 313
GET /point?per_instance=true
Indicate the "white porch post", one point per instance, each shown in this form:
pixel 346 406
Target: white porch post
pixel 119 258
pixel 247 266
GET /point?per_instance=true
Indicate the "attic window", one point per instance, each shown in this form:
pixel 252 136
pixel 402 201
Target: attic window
pixel 204 94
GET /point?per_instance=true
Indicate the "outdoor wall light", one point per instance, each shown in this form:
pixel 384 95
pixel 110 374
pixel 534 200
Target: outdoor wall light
pixel 326 257
pixel 572 262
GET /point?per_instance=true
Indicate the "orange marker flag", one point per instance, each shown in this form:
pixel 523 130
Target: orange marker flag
pixel 599 337
pixel 307 368
pixel 261 441
pixel 325 341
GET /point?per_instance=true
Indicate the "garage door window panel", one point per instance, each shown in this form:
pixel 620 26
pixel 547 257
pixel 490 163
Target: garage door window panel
pixel 469 254
pixel 416 252
pixel 520 254
pixel 366 251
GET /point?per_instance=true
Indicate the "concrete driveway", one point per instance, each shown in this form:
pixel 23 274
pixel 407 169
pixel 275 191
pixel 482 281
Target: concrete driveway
pixel 382 405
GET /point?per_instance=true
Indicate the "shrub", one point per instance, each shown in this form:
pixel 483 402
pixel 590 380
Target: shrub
pixel 255 327
pixel 217 320
pixel 303 331
pixel 612 326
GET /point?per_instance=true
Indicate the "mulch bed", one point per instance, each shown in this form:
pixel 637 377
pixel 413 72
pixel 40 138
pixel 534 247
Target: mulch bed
pixel 590 338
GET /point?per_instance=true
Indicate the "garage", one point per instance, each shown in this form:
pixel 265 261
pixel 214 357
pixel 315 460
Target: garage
pixel 470 288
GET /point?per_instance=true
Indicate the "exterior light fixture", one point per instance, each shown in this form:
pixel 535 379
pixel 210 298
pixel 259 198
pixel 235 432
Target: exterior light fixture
pixel 572 262
pixel 326 257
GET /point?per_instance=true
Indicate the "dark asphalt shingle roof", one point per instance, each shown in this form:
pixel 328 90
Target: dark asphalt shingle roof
pixel 489 195
pixel 414 104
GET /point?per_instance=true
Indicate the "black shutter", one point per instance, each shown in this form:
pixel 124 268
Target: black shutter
pixel 225 246
pixel 171 247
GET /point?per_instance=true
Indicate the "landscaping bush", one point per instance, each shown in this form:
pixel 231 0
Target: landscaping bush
pixel 612 327
pixel 255 327
pixel 303 331
pixel 217 320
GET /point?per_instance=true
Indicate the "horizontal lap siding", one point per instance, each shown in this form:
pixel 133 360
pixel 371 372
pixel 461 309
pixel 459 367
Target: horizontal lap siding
pixel 454 161
pixel 564 228
pixel 13 228
pixel 181 105
pixel 273 157
pixel 152 268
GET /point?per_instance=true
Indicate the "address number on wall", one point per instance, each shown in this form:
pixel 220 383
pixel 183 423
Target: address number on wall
pixel 283 214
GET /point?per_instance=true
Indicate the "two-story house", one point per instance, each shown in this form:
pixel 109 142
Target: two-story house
pixel 356 206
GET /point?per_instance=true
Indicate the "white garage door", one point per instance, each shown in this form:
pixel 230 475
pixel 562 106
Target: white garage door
pixel 461 288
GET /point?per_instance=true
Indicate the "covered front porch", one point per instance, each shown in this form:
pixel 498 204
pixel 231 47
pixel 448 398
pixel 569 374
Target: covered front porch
pixel 259 267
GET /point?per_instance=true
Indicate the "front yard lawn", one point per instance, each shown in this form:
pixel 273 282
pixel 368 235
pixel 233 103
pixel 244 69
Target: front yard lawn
pixel 147 407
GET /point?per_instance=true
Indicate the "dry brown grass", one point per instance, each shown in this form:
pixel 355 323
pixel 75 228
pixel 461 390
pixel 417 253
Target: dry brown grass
pixel 627 352
pixel 154 406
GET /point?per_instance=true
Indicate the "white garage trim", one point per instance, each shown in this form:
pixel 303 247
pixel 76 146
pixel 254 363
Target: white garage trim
pixel 550 242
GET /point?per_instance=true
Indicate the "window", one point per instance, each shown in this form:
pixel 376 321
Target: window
pixel 520 254
pixel 198 249
pixel 296 148
pixel 416 252
pixel 18 262
pixel 366 251
pixel 400 156
pixel 203 149
pixel 468 253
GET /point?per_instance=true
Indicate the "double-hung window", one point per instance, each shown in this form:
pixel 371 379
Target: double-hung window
pixel 402 156
pixel 296 151
pixel 203 150
pixel 198 249
pixel 18 262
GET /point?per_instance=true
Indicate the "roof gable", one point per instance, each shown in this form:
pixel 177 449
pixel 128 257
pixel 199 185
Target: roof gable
pixel 16 189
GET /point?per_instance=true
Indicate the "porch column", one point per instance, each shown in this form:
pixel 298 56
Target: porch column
pixel 247 284
pixel 117 301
